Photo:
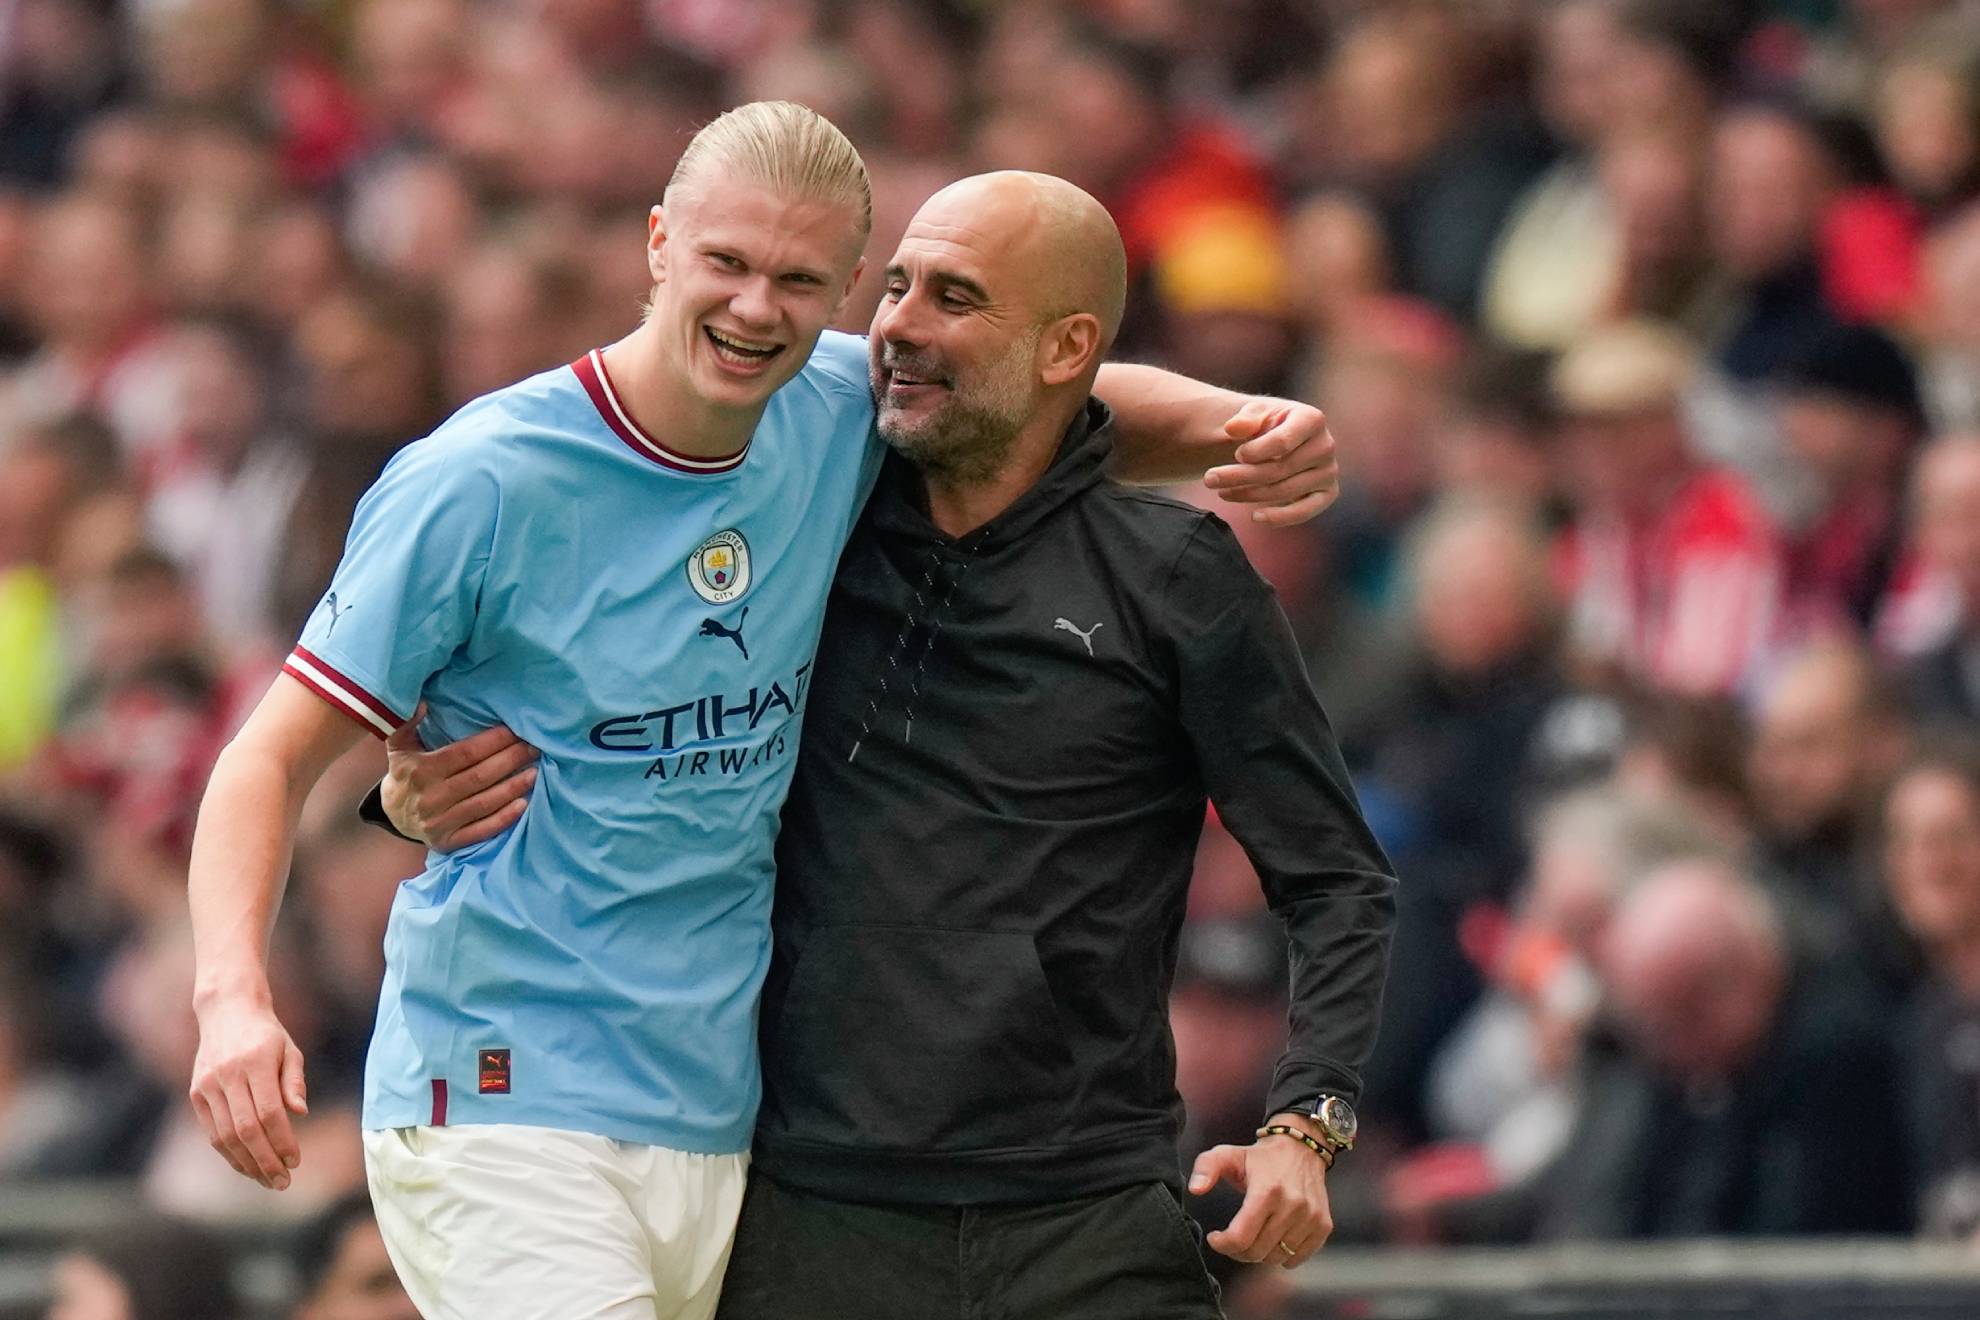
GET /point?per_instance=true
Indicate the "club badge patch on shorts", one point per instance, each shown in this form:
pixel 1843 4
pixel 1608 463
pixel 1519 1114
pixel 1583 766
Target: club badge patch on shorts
pixel 494 1072
pixel 718 570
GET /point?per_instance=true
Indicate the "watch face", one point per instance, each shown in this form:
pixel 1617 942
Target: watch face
pixel 1336 1118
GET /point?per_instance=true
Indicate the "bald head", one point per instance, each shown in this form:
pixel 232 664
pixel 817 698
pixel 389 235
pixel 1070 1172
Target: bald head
pixel 1828 733
pixel 1694 962
pixel 1000 303
pixel 1062 249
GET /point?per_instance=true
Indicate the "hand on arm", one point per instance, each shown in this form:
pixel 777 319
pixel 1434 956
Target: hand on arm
pixel 460 794
pixel 1286 1216
pixel 248 1075
pixel 1275 453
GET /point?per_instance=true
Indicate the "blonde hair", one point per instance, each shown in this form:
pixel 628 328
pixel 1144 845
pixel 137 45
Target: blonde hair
pixel 790 147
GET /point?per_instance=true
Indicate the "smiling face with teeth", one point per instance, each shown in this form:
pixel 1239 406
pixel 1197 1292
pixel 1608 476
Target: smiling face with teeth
pixel 745 278
pixel 998 305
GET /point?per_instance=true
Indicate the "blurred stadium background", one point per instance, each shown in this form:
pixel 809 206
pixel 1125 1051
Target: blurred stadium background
pixel 1649 621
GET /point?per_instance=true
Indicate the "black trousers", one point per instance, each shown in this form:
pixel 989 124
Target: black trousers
pixel 1125 1255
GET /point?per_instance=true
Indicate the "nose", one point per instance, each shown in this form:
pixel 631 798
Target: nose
pixel 895 322
pixel 755 303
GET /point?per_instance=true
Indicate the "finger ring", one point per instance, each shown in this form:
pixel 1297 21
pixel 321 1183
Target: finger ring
pixel 1288 1250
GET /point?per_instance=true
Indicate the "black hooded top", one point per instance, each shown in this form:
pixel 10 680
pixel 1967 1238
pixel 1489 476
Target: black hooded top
pixel 1009 742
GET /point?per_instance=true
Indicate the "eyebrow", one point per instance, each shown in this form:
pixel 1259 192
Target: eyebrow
pixel 712 246
pixel 945 279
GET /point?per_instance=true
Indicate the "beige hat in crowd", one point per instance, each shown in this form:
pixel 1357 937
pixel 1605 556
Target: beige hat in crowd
pixel 1629 367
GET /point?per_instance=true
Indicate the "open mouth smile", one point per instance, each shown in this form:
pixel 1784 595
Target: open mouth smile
pixel 740 354
pixel 908 382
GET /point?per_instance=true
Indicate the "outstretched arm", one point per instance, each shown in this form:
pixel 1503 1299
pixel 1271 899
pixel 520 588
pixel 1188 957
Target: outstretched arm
pixel 1250 449
pixel 248 1076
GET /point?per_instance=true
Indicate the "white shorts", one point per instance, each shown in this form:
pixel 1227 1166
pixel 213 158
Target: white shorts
pixel 501 1222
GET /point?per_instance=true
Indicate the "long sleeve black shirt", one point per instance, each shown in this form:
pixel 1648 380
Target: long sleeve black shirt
pixel 1009 742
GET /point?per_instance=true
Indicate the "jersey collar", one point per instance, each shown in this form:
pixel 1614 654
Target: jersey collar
pixel 597 383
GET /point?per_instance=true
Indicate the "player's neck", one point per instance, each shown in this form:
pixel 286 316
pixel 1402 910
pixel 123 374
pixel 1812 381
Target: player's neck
pixel 665 406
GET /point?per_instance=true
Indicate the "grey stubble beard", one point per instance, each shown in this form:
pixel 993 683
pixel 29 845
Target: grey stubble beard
pixel 969 439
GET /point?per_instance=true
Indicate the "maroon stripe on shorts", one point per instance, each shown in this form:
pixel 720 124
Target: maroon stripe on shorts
pixel 439 1102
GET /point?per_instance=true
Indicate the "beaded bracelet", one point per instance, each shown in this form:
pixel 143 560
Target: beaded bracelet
pixel 1282 1130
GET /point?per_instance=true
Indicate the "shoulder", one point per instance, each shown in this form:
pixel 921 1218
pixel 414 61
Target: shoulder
pixel 491 438
pixel 1149 514
pixel 469 459
pixel 838 367
pixel 1184 546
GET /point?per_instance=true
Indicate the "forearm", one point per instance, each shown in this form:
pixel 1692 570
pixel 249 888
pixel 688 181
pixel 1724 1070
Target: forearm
pixel 240 860
pixel 247 822
pixel 1167 428
pixel 1274 769
pixel 1340 957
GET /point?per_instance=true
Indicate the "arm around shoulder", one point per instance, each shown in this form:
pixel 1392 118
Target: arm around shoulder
pixel 1276 454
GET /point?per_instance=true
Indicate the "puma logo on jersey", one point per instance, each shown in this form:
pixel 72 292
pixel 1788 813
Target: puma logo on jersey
pixel 714 628
pixel 336 613
pixel 1084 635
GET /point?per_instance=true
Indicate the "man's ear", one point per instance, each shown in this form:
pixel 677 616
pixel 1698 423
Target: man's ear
pixel 656 244
pixel 1068 348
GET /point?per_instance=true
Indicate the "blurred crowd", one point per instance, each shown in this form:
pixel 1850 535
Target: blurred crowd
pixel 1649 620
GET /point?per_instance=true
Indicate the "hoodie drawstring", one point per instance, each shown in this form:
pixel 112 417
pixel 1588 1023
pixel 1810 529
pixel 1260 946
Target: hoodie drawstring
pixel 898 652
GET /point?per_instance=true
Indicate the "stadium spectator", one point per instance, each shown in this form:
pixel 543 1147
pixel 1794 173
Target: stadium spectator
pixel 1849 416
pixel 1924 126
pixel 411 68
pixel 1226 309
pixel 154 1269
pixel 42 1105
pixel 1829 733
pixel 64 68
pixel 1945 678
pixel 1771 181
pixel 1712 1112
pixel 1740 1055
pixel 1496 439
pixel 1951 358
pixel 1690 752
pixel 1387 385
pixel 1674 569
pixel 369 378
pixel 47 474
pixel 343 1269
pixel 1388 122
pixel 1932 874
pixel 509 313
pixel 225 488
pixel 1555 255
pixel 1445 777
pixel 1507 1087
pixel 1338 261
pixel 89 298
pixel 1652 183
pixel 1581 241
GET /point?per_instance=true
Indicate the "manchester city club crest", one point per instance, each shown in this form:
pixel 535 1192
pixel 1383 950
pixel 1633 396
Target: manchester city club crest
pixel 718 570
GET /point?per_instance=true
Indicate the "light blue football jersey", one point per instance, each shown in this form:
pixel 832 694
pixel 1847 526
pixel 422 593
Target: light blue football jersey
pixel 648 621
